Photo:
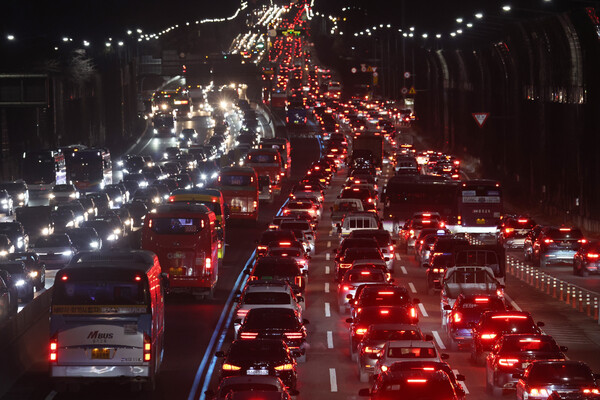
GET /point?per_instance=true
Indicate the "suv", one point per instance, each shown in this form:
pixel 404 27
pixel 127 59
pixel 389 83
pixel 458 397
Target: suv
pixel 556 245
pixel 542 378
pixel 513 230
pixel 421 384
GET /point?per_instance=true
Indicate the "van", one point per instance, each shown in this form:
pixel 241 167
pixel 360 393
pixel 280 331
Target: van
pixel 354 221
pixel 341 207
pixel 107 319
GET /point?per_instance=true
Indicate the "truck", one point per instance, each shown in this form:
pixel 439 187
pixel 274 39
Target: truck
pixel 368 146
pixel 476 270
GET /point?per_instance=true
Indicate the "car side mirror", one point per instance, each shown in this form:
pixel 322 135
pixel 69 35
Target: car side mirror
pixel 444 356
pixel 220 353
pixel 447 307
pixel 364 392
pixel 349 320
pixel 460 378
pixel 540 324
pixel 428 338
pixel 305 321
pixel 564 349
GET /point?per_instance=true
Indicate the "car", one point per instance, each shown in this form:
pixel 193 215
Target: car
pixel 85 238
pixel 139 180
pixel 512 354
pixel 282 268
pixel 133 165
pixel 130 187
pixel 425 241
pixel 383 295
pixel 63 193
pixel 413 385
pixel 530 238
pixel 55 250
pixel 269 293
pixel 260 357
pixel 375 315
pixel 36 269
pixel 6 246
pixel 292 249
pixel 105 230
pixel 115 194
pixel 541 378
pixel 385 241
pixel 254 383
pixel 101 201
pixel 89 206
pixel 556 245
pixel 126 219
pixel 305 227
pixel 79 213
pixel 138 211
pixel 13 293
pixel 267 237
pixel 171 153
pixel 115 221
pixel 370 347
pixel 513 230
pixel 467 310
pixel 22 280
pixel 493 324
pixel 63 220
pixel 344 263
pixel 35 220
pixel 586 261
pixel 276 323
pixel 352 279
pixel 18 191
pixel 400 351
pixel 412 228
pixel 292 206
pixel 16 233
pixel 6 203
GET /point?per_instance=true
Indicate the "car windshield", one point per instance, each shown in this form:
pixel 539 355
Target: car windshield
pixel 377 315
pixel 52 241
pixel 265 270
pixel 6 228
pixel 63 188
pixel 411 352
pixel 266 298
pixel 395 334
pixel 560 373
pixel 271 318
pixel 362 254
pixel 252 350
pixel 305 226
pixel 13 268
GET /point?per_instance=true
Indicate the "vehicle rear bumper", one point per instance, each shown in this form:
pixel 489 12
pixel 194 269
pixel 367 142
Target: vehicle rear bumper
pixel 514 242
pixel 474 229
pixel 185 284
pixel 560 255
pixel 100 371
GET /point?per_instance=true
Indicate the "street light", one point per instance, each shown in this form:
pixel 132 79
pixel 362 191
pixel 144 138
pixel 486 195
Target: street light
pixel 506 8
pixel 10 37
pixel 459 20
pixel 479 15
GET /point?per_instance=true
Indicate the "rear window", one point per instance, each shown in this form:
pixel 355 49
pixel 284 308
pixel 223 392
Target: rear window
pixel 305 226
pixel 360 223
pixel 535 344
pixel 273 318
pixel 382 297
pixel 395 334
pixel 523 223
pixel 284 253
pixel 365 276
pixel 266 298
pixel 257 350
pixel 236 180
pixel 560 373
pixel 275 270
pixel 176 226
pixel 411 352
pixel 262 158
pixel 383 238
pixel 565 233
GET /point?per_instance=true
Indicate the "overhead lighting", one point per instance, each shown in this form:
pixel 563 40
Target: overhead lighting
pixel 424 36
pixel 506 8
pixel 438 36
pixel 479 15
pixel 469 25
pixel 459 20
pixel 10 37
pixel 412 28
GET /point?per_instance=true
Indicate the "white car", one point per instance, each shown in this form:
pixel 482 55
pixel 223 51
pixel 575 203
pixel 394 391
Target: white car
pixel 406 351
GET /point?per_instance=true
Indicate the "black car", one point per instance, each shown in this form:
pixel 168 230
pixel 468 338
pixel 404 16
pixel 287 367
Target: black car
pixel 6 246
pixel 85 238
pixel 276 323
pixel 101 200
pixel 586 260
pixel 21 279
pixel 36 269
pixel 36 221
pixel 260 357
pixel 105 230
pixel 77 208
pixel 278 268
pixel 542 378
pixel 18 191
pixel 409 384
pixel 62 220
pixel 16 234
pixel 89 205
pixel 137 210
pixel 272 236
pixel 115 194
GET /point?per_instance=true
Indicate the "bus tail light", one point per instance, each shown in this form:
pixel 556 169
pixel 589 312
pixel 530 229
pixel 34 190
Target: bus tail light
pixel 508 362
pixel 413 312
pixel 593 256
pixel 147 348
pixel 207 264
pixel 248 335
pixel 255 204
pixel 53 355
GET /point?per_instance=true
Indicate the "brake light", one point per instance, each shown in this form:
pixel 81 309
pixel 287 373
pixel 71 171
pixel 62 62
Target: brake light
pixel 548 241
pixel 150 223
pixel 456 317
pixel 488 336
pixel 411 233
pixel 345 265
pixel 508 362
pixel 294 335
pixel 261 248
pixel 538 392
pixel 509 230
pixel 230 367
pixel 284 367
pixel 415 380
pixel 530 340
pixel 242 313
pixel 285 244
pixel 372 350
pixel 391 248
pixel 522 221
pixel 582 241
pixel 64 277
pixel 481 300
pixel 53 349
pixel 592 390
pixel 171 199
pixel 383 293
pixel 248 335
pixel 594 256
pixel 384 368
pixel 207 263
pixel 413 312
pixel 509 317
pixel 565 229
pixel 360 331
pixel 147 348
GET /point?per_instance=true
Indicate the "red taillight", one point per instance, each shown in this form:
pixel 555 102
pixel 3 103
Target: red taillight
pixel 171 199
pixel 360 331
pixel 591 390
pixel 582 241
pixel 147 348
pixel 242 313
pixel 509 230
pixel 456 317
pixel 508 362
pixel 548 241
pixel 248 335
pixel 593 256
pixel 413 312
pixel 523 221
pixel 53 355
pixel 261 247
pixel 207 263
pixel 415 380
pixel 294 335
pixel 481 300
pixel 150 223
pixel 488 336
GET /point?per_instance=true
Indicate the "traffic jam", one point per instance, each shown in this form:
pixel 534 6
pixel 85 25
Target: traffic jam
pixel 383 247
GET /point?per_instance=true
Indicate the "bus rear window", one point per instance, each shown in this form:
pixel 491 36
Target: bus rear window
pixel 176 226
pixel 262 158
pixel 236 180
pixel 99 293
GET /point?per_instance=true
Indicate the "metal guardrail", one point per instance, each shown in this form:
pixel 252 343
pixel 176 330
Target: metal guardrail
pixel 580 299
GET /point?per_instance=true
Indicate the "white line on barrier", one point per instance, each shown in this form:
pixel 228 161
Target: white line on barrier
pixel 462 384
pixel 327 310
pixel 327 256
pixel 327 270
pixel 332 380
pixel 329 339
pixel 423 311
pixel 412 287
pixel 326 287
pixel 328 243
pixel 403 270
pixel 438 340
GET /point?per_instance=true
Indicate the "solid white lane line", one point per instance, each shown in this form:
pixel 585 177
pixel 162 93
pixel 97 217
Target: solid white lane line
pixel 327 270
pixel 403 268
pixel 412 287
pixel 438 340
pixel 512 303
pixel 332 380
pixel 327 310
pixel 327 256
pixel 397 256
pixel 329 339
pixel 422 309
pixel 462 384
pixel 326 287
pixel 328 243
pixel 51 395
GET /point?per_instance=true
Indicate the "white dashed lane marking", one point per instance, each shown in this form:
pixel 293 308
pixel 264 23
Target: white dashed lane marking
pixel 327 256
pixel 403 268
pixel 438 340
pixel 326 287
pixel 328 243
pixel 326 270
pixel 423 311
pixel 327 310
pixel 332 380
pixel 329 339
pixel 412 287
pixel 462 384
pixel 397 256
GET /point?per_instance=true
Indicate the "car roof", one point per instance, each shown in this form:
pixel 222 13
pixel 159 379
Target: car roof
pixel 410 343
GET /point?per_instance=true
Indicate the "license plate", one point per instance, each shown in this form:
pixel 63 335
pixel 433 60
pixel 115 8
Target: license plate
pixel 480 221
pixel 257 372
pixel 524 365
pixel 176 271
pixel 100 354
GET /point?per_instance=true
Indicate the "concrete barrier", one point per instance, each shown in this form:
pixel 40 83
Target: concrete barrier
pixel 24 340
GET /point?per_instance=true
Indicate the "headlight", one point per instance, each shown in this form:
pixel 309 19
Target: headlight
pixel 120 163
pixel 69 224
pixel 51 195
pixel 111 238
pixel 172 130
pixel 21 196
pixel 117 231
pixel 46 231
pixel 33 274
pixel 155 130
pixel 143 184
pixel 119 199
pixel 73 195
pixel 67 253
pixel 125 171
pixel 203 176
pixel 94 244
pixel 181 135
pixel 20 282
pixel 91 211
pixel 165 155
pixel 3 253
pixel 214 175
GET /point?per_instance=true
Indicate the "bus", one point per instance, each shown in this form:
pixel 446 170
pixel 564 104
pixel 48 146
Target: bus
pixel 90 170
pixel 295 111
pixel 266 162
pixel 211 198
pixel 107 319
pixel 283 146
pixel 184 237
pixel 405 195
pixel 479 206
pixel 42 170
pixel 239 186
